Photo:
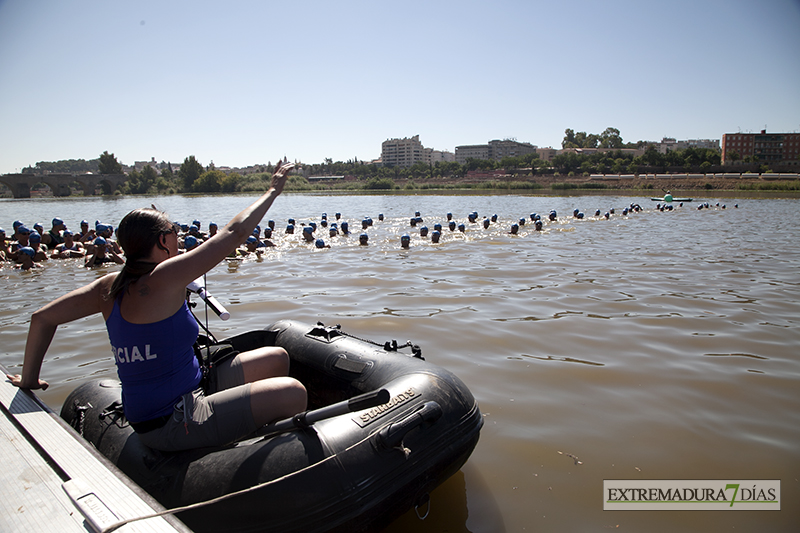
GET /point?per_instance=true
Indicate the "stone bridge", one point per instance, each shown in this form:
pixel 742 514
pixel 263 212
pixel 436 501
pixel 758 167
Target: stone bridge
pixel 20 184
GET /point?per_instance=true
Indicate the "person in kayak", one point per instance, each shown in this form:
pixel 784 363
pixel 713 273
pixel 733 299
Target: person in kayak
pixel 152 333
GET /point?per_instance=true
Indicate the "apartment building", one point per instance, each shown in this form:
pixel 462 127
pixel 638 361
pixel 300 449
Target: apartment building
pixel 471 151
pixel 496 150
pixel 766 147
pixel 403 152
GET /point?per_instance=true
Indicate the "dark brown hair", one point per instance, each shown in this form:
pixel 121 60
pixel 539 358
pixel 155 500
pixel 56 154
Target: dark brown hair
pixel 138 232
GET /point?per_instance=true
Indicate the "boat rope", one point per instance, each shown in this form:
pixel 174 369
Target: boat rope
pixel 117 525
pixel 81 409
pixel 389 346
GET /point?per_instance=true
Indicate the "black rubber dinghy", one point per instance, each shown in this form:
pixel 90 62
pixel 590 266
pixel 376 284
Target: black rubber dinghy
pixel 352 472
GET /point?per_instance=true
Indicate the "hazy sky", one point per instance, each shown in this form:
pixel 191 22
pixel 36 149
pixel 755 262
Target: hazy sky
pixel 246 82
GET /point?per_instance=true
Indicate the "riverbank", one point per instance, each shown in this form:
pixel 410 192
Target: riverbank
pixel 616 182
pixel 771 185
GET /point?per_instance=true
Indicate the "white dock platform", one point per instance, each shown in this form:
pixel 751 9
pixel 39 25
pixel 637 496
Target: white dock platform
pixel 39 452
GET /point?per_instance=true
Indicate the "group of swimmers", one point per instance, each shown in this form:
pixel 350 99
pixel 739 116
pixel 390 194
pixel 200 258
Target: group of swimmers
pixel 28 248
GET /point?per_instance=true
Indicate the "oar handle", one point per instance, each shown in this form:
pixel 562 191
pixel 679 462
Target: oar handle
pixel 308 418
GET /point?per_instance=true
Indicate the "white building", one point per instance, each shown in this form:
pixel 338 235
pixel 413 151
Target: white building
pixel 496 150
pixel 471 151
pixel 403 152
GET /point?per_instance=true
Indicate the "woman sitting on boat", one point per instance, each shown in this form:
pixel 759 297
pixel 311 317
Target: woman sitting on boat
pixel 152 333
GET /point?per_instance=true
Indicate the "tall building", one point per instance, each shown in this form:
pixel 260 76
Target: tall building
pixel 509 148
pixel 496 150
pixel 471 151
pixel 765 147
pixel 403 152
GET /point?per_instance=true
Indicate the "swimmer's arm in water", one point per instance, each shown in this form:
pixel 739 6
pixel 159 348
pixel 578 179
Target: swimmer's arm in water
pixel 79 303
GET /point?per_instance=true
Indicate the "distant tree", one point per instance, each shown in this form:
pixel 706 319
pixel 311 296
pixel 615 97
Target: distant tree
pixel 610 138
pixel 210 181
pixel 190 171
pixel 141 182
pixel 569 139
pixel 230 182
pixel 166 173
pixel 109 164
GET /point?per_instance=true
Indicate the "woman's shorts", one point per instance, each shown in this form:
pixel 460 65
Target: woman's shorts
pixel 200 420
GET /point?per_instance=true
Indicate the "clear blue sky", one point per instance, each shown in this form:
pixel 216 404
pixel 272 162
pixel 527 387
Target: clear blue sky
pixel 244 82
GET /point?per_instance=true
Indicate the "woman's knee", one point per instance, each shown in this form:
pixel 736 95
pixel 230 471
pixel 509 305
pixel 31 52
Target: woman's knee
pixel 266 362
pixel 276 398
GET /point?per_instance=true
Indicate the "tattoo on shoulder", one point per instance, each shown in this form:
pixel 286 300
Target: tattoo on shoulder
pixel 144 290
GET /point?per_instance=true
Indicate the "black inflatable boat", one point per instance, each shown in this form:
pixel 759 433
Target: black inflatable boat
pixel 353 472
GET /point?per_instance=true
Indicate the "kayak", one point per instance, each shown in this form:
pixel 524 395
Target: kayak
pixel 351 472
pixel 669 198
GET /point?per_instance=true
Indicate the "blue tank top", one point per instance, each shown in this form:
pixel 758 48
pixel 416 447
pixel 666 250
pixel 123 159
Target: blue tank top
pixel 155 362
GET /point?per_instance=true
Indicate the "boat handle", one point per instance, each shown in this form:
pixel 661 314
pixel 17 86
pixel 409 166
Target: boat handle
pixel 308 418
pixel 392 435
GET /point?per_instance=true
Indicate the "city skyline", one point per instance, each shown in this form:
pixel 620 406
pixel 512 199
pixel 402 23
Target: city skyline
pixel 245 83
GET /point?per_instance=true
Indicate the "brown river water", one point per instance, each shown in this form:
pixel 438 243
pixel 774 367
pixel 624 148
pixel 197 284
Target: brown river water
pixel 653 346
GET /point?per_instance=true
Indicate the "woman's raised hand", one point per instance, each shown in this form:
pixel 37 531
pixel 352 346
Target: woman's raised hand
pixel 280 176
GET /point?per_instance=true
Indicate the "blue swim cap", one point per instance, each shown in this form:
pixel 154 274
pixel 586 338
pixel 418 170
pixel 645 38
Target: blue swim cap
pixel 250 240
pixel 307 229
pixel 57 221
pixel 319 243
pixel 22 229
pixel 16 224
pixel 99 241
pixel 28 250
pixel 35 237
pixel 191 242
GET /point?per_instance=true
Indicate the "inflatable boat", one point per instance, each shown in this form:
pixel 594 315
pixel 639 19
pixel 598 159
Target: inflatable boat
pixel 352 472
pixel 668 198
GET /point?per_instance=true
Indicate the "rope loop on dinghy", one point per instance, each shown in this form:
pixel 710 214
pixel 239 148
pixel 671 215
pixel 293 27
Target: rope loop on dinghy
pixel 425 499
pixel 389 346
